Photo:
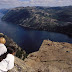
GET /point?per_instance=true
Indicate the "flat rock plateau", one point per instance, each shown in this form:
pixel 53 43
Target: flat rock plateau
pixel 51 57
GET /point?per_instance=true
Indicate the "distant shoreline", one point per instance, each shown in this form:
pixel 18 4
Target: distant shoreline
pixel 69 34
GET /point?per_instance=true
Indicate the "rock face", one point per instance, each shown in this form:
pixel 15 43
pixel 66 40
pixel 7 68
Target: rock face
pixel 56 19
pixel 51 57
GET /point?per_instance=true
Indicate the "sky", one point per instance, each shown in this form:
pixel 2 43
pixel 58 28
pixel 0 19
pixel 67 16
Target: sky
pixel 18 3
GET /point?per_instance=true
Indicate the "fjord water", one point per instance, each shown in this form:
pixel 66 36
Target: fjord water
pixel 30 40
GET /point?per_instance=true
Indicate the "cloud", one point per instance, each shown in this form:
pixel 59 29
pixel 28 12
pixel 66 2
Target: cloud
pixel 51 2
pixel 16 3
pixel 12 3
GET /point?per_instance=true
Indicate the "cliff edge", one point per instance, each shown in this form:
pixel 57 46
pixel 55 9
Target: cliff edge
pixel 51 57
pixel 10 43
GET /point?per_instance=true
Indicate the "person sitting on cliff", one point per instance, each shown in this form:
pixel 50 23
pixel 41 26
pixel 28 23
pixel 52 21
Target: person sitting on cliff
pixel 7 60
pixel 3 48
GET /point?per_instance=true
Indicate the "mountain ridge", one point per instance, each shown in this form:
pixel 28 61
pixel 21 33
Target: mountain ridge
pixel 55 19
pixel 4 11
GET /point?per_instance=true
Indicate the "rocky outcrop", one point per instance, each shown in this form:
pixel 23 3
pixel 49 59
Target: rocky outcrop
pixel 51 57
pixel 10 43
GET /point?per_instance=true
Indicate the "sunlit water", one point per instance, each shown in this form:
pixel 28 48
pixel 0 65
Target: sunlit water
pixel 30 40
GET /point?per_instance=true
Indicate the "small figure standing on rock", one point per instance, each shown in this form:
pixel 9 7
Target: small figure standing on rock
pixel 3 48
pixel 7 60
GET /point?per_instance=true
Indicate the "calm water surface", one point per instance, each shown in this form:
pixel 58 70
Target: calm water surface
pixel 30 40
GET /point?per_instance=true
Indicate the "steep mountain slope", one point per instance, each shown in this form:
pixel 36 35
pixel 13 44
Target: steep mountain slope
pixel 57 19
pixel 51 57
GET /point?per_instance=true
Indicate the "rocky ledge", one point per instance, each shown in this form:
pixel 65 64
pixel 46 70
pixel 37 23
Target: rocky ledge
pixel 51 57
